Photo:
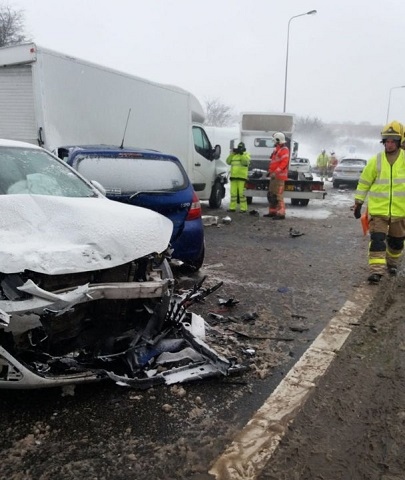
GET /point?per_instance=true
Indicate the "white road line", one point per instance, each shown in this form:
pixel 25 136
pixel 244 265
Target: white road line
pixel 254 445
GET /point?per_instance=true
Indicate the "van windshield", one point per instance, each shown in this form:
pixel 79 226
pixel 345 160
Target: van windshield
pixel 264 142
pixel 129 174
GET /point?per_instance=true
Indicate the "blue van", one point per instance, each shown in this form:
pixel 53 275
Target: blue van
pixel 150 179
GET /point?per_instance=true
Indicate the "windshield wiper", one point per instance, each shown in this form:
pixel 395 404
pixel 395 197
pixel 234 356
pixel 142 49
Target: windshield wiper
pixel 150 192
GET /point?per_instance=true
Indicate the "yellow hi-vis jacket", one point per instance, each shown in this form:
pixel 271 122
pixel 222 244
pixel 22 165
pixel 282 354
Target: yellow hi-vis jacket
pixel 385 186
pixel 239 163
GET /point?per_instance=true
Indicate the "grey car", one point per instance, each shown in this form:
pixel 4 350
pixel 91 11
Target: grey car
pixel 348 171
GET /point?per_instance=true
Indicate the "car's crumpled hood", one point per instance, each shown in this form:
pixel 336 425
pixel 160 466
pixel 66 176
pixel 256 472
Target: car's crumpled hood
pixel 56 235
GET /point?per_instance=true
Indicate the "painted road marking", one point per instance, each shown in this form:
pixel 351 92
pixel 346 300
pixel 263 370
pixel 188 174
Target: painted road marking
pixel 254 445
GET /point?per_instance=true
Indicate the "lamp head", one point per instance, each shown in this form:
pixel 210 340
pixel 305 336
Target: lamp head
pixel 311 12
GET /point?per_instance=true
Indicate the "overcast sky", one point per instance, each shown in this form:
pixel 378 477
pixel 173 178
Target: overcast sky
pixel 343 62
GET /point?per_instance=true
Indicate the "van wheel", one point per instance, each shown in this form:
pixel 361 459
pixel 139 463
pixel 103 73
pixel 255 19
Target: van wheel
pixel 304 202
pixel 249 200
pixel 295 201
pixel 217 194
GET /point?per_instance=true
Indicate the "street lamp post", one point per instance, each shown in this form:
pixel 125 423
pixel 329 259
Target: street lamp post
pixel 311 12
pixel 389 100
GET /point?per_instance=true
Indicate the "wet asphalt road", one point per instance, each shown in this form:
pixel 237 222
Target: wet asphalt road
pixel 290 286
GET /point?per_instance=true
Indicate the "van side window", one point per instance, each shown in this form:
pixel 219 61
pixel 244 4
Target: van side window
pixel 201 142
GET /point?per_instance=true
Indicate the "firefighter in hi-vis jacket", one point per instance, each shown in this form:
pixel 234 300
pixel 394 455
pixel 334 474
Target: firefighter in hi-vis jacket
pixel 278 173
pixel 383 183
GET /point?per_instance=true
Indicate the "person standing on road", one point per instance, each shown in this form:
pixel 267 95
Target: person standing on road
pixel 383 180
pixel 322 163
pixel 239 161
pixel 333 161
pixel 278 173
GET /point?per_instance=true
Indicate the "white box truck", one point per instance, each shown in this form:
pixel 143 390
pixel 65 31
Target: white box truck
pixel 54 100
pixel 256 130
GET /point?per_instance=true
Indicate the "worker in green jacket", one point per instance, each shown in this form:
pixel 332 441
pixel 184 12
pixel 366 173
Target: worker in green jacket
pixel 383 182
pixel 322 163
pixel 239 161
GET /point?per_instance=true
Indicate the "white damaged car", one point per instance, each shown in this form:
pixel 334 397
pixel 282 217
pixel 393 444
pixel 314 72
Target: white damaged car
pixel 86 289
pixel 79 273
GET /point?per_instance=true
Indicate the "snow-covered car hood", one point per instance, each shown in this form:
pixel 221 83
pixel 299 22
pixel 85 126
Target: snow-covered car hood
pixel 57 235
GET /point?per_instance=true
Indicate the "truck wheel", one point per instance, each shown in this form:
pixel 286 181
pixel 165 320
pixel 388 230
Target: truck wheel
pixel 249 200
pixel 217 194
pixel 295 201
pixel 304 202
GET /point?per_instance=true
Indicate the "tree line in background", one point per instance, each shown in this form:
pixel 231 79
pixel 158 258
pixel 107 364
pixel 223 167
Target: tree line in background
pixel 11 26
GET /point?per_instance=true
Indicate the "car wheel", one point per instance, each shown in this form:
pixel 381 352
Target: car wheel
pixel 249 200
pixel 295 201
pixel 304 202
pixel 335 184
pixel 217 194
pixel 195 265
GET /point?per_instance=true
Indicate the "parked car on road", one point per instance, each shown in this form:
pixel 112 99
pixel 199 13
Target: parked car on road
pixel 82 278
pixel 348 171
pixel 149 179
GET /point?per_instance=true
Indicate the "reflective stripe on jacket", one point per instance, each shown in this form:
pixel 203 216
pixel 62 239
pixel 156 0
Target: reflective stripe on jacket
pixel 279 161
pixel 239 165
pixel 385 186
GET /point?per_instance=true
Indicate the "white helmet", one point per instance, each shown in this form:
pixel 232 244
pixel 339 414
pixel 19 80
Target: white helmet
pixel 279 137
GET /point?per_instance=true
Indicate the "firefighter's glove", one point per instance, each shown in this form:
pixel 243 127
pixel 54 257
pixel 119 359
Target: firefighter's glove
pixel 357 210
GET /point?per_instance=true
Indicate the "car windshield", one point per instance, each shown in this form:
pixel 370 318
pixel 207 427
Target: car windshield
pixel 27 170
pixel 129 173
pixel 353 161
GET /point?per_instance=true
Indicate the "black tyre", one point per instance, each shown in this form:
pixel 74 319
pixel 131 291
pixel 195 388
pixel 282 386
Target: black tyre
pixel 335 185
pixel 295 201
pixel 249 200
pixel 194 265
pixel 304 202
pixel 217 194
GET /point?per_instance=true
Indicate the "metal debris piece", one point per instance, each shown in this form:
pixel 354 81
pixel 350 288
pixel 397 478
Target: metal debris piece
pixel 227 220
pixel 295 233
pixel 249 351
pixel 216 316
pixel 4 318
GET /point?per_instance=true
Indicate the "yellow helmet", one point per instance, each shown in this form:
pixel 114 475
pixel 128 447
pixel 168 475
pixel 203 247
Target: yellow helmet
pixel 393 130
